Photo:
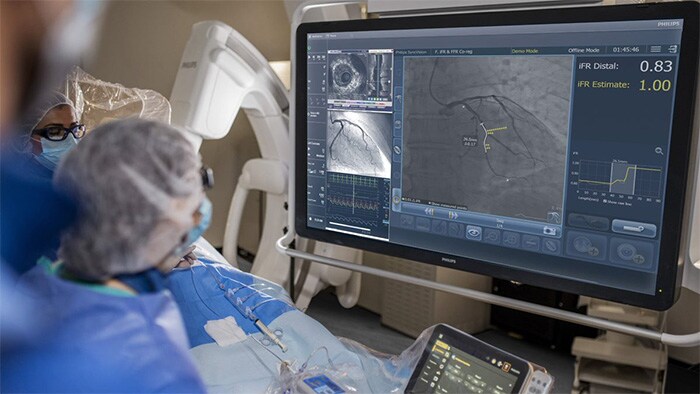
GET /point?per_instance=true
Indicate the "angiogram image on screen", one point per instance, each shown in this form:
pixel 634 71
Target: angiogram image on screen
pixel 359 143
pixel 488 134
pixel 359 75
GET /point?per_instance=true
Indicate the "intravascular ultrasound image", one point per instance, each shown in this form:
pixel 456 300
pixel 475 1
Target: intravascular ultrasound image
pixel 359 76
pixel 359 143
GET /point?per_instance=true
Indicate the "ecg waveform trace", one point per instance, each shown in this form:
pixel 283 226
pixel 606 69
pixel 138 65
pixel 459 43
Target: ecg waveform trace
pixel 620 178
pixel 356 200
pixel 355 203
pixel 350 179
pixel 352 221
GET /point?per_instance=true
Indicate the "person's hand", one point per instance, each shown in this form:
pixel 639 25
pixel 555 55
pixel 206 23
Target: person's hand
pixel 188 259
pixel 173 261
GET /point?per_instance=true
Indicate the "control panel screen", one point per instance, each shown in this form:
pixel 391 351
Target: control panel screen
pixel 538 147
pixel 455 362
pixel 450 370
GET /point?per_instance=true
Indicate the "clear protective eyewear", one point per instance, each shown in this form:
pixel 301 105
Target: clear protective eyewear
pixel 60 133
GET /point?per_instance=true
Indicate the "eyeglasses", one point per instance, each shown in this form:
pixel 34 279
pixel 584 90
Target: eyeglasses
pixel 207 177
pixel 59 133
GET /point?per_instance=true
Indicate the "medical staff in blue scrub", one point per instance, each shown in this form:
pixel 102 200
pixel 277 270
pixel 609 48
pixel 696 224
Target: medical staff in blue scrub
pixel 143 203
pixel 39 43
pixel 52 130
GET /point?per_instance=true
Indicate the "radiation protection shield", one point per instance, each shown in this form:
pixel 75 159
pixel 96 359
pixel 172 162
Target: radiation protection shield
pixel 548 147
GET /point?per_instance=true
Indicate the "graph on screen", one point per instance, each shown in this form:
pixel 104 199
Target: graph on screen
pixel 620 178
pixel 356 202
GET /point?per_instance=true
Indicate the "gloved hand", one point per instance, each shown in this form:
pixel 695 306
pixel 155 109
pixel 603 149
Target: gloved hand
pixel 174 261
pixel 188 259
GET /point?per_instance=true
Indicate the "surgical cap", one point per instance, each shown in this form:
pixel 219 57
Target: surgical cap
pixel 138 185
pixel 45 104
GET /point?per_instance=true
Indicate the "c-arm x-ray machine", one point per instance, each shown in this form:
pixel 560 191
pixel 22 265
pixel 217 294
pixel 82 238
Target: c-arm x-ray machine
pixel 220 73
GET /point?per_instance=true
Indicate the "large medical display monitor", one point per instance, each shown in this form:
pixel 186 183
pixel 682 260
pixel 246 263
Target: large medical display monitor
pixel 547 147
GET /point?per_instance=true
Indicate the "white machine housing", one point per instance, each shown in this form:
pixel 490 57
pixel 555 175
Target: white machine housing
pixel 220 73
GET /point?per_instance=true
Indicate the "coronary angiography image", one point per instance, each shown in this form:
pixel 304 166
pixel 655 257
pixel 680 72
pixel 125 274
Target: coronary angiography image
pixel 488 133
pixel 359 143
pixel 358 76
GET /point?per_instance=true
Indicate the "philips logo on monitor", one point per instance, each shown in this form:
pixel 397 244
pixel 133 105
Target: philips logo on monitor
pixel 448 260
pixel 668 24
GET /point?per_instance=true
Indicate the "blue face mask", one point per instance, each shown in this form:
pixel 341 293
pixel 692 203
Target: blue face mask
pixel 195 233
pixel 53 151
pixel 204 222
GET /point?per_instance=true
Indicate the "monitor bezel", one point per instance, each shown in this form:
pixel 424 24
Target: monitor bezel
pixel 671 259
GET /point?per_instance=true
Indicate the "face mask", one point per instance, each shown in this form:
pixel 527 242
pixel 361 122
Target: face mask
pixel 195 233
pixel 53 151
pixel 205 221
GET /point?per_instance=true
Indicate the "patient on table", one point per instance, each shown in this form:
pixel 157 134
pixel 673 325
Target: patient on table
pixel 228 312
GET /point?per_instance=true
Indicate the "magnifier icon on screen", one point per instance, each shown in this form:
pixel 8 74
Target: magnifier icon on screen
pixel 659 151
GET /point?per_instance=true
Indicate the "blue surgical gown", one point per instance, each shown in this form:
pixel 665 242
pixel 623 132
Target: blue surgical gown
pixel 32 212
pixel 142 337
